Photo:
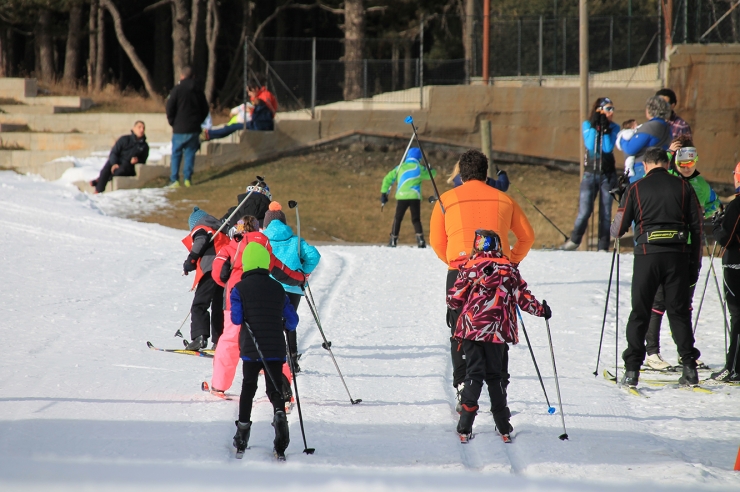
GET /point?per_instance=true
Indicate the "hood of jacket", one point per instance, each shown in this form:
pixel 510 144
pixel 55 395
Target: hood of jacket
pixel 277 231
pixel 209 221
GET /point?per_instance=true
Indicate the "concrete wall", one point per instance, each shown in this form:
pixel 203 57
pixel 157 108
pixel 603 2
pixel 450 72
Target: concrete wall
pixel 706 79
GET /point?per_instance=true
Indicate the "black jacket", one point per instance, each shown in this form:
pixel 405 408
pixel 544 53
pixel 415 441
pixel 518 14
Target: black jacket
pixel 262 119
pixel 667 217
pixel 126 148
pixel 262 299
pixel 727 233
pixel 186 107
pixel 257 206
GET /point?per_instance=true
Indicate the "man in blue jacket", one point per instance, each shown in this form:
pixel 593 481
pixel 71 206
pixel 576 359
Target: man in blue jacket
pixel 656 132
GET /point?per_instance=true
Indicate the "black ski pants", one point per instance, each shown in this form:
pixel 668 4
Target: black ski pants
pixel 106 174
pixel 487 362
pixel 208 294
pixel 732 294
pixel 251 372
pixel 648 273
pixel 295 300
pixel 652 338
pixel 401 206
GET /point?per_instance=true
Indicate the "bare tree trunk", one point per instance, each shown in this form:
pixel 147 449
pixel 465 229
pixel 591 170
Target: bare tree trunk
pixel 354 32
pixel 212 29
pixel 3 52
pixel 468 34
pixel 129 48
pixel 394 65
pixel 92 55
pixel 100 55
pixel 180 37
pixel 45 46
pixel 194 17
pixel 72 52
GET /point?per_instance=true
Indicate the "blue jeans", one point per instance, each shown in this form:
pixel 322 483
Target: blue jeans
pixel 183 143
pixel 591 185
pixel 225 131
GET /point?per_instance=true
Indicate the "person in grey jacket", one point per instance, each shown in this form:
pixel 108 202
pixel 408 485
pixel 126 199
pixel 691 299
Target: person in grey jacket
pixel 656 132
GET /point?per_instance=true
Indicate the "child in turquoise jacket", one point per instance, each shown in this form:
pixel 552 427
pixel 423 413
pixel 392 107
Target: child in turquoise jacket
pixel 408 194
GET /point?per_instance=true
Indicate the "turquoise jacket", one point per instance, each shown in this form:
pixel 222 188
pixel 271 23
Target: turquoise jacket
pixel 409 178
pixel 285 248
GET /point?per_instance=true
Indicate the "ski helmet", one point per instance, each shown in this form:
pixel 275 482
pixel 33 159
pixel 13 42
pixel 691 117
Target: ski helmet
pixel 486 240
pixel 686 156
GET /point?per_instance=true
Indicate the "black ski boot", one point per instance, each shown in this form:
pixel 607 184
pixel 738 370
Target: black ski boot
pixel 689 377
pixel 282 436
pixel 393 241
pixel 503 426
pixel 420 241
pixel 241 438
pixel 197 344
pixel 630 378
pixel 465 424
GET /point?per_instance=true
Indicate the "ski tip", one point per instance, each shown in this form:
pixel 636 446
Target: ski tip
pixel 551 410
pixel 149 344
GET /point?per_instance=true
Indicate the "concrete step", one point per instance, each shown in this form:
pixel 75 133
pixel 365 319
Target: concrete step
pixel 144 175
pixel 17 88
pixel 34 141
pixel 73 102
pixel 13 127
pixel 25 161
pixel 26 109
pixel 94 123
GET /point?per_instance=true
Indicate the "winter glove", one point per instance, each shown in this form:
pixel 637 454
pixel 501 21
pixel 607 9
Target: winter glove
pixel 383 198
pixel 225 271
pixel 488 270
pixel 595 121
pixel 190 264
pixel 547 312
pixel 622 184
pixel 718 217
pixel 604 123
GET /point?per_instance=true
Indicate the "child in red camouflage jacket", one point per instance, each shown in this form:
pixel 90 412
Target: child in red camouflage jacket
pixel 488 290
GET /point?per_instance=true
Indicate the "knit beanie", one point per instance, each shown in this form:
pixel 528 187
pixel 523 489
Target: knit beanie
pixel 414 153
pixel 195 217
pixel 255 256
pixel 275 213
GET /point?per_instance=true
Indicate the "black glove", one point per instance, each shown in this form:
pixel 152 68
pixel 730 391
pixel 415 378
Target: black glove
pixel 622 184
pixel 604 123
pixel 547 311
pixel 488 270
pixel 718 217
pixel 190 264
pixel 383 198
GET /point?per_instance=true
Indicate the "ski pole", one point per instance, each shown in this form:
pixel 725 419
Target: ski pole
pixel 398 169
pixel 262 358
pixel 306 449
pixel 706 283
pixel 540 211
pixel 294 204
pixel 410 121
pixel 550 408
pixel 606 305
pixel 228 219
pixel 327 344
pixel 616 321
pixel 178 333
pixel 564 436
pixel 719 293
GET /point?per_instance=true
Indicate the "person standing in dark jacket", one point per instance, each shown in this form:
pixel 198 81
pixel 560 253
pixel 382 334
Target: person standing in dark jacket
pixel 187 107
pixel 666 213
pixel 257 205
pixel 727 234
pixel 128 151
pixel 259 305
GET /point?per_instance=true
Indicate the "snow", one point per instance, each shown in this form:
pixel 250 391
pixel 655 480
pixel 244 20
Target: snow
pixel 84 404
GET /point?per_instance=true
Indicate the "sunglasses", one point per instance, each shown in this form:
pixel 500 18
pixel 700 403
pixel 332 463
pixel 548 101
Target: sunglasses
pixel 608 109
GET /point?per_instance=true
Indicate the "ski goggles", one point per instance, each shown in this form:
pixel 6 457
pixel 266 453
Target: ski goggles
pixel 258 189
pixel 687 157
pixel 486 241
pixel 608 109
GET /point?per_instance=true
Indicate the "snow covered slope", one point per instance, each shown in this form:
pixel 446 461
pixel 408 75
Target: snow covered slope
pixel 85 404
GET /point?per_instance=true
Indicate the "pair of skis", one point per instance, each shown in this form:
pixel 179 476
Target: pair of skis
pixel 696 388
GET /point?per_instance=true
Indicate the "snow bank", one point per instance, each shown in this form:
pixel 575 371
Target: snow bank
pixel 85 404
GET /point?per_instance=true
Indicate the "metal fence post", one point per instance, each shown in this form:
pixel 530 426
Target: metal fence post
pixel 519 48
pixel 685 21
pixel 421 64
pixel 364 78
pixel 539 49
pixel 611 41
pixel 565 43
pixel 629 33
pixel 246 80
pixel 313 78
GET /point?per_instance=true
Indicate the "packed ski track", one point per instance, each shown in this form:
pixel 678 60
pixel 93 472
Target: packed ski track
pixel 85 403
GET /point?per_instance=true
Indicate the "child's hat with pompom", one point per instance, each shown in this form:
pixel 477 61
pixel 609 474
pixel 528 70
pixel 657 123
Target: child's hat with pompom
pixel 275 213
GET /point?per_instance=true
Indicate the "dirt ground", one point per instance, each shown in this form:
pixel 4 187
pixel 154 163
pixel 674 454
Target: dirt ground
pixel 338 192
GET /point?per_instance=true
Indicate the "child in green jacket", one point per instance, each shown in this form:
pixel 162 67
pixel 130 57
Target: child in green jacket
pixel 408 194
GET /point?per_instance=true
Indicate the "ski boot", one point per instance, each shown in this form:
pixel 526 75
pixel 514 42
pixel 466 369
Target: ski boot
pixel 199 343
pixel 465 424
pixel 241 438
pixel 503 426
pixel 699 364
pixel 689 377
pixel 657 363
pixel 630 379
pixel 721 376
pixel 393 241
pixel 282 436
pixel 420 241
pixel 458 393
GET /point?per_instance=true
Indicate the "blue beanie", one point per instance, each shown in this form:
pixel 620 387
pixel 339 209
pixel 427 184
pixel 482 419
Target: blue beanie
pixel 414 153
pixel 195 217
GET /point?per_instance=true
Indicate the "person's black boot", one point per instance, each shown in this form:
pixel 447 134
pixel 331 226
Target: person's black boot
pixel 393 242
pixel 241 438
pixel 467 417
pixel 197 344
pixel 630 378
pixel 502 424
pixel 420 241
pixel 689 377
pixel 282 435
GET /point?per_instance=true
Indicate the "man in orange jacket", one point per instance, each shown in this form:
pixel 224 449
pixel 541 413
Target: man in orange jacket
pixel 474 205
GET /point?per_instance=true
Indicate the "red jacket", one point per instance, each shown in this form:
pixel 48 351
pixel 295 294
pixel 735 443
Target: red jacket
pixel 202 243
pixel 488 300
pixel 269 99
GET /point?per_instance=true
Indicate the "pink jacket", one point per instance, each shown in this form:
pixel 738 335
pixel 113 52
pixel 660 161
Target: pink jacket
pixel 487 290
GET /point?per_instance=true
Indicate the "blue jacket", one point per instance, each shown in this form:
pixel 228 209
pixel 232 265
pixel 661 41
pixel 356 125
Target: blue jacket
pixel 654 133
pixel 262 119
pixel 501 182
pixel 285 248
pixel 607 143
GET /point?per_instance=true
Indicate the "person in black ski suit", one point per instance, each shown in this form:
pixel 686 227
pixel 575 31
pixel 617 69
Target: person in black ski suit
pixel 727 234
pixel 128 151
pixel 257 205
pixel 259 305
pixel 668 226
pixel 208 294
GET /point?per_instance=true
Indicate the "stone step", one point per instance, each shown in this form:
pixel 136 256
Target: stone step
pixel 73 102
pixel 17 88
pixel 144 175
pixel 26 109
pixel 24 161
pixel 13 127
pixel 35 141
pixel 94 123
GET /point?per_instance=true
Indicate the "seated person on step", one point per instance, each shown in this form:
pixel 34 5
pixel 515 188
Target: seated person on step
pixel 260 114
pixel 128 151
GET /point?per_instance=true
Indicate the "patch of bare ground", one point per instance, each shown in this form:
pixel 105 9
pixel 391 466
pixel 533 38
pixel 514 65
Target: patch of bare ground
pixel 338 192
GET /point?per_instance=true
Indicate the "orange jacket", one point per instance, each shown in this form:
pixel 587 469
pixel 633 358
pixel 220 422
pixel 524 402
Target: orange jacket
pixel 475 205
